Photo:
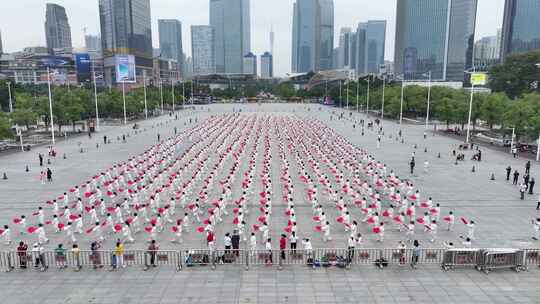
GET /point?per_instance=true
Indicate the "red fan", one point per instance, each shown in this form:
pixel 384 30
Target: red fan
pixel 447 219
pixel 420 220
pixel 464 220
pixel 206 221
pixel 148 229
pixel 200 229
pixel 61 197
pixel 376 229
pixel 370 220
pixel 35 213
pixel 174 228
pixel 73 217
pixel 1 231
pixel 191 206
pixel 109 193
pixel 288 229
pixel 87 208
pixel 424 204
pixel 409 212
pixel 48 222
pixel 255 227
pixel 340 219
pixel 288 212
pixel 49 202
pixel 87 194
pixel 161 210
pixel 386 213
pixel 235 210
pixel 397 218
pixel 72 190
pixel 129 220
pixel 261 219
pixel 117 227
pixel 31 229
pixel 153 221
pixel 110 209
pixel 318 228
pixel 89 230
pixel 235 221
pixel 16 220
pixel 433 211
pixel 316 218
pixel 61 226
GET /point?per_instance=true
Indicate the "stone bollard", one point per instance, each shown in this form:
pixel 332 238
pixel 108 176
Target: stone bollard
pixel 439 155
pixel 27 169
pixel 65 157
pixel 473 169
pixel 492 176
pixel 5 176
pixel 425 150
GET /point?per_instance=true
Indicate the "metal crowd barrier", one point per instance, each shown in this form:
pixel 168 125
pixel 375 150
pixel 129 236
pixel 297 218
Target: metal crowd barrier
pixel 482 259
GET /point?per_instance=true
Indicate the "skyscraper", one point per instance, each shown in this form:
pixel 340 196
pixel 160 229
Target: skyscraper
pixel 57 30
pixel 170 41
pixel 374 44
pixel 202 49
pixel 126 30
pixel 1 47
pixel 436 36
pixel 267 66
pixel 250 64
pixel 271 40
pixel 230 20
pixel 344 47
pixel 92 43
pixel 520 32
pixel 313 35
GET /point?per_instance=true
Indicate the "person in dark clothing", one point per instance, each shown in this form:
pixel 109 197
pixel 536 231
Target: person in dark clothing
pixel 528 167
pixel 40 159
pixel 235 240
pixel 49 175
pixel 508 171
pixel 516 177
pixel 105 139
pixel 526 181
pixel 412 165
pixel 531 186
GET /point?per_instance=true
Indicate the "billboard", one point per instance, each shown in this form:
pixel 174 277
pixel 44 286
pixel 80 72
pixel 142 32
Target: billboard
pixel 478 79
pixel 125 68
pixel 83 66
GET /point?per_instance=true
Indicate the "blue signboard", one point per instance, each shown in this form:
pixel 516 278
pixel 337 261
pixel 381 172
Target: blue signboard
pixel 83 66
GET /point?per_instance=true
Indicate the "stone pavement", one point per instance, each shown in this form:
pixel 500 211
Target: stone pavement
pixel 263 285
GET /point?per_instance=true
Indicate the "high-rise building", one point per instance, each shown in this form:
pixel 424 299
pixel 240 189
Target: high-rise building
pixel 202 49
pixel 170 41
pixel 267 66
pixel 250 64
pixel 370 44
pixel 126 29
pixel 344 47
pixel 520 32
pixel 486 48
pixel 57 30
pixel 93 43
pixel 271 40
pixel 230 20
pixel 436 36
pixel 1 46
pixel 189 67
pixel 313 35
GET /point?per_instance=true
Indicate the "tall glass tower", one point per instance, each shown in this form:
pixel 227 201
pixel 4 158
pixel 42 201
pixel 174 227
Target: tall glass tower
pixel 170 41
pixel 521 27
pixel 57 29
pixel 230 20
pixel 313 35
pixel 436 36
pixel 202 49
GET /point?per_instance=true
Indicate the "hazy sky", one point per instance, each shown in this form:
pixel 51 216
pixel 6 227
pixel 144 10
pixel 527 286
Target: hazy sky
pixel 22 21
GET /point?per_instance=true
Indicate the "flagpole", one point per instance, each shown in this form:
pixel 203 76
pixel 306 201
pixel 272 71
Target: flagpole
pixel 50 104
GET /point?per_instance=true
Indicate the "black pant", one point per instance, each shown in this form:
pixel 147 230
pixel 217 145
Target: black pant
pixel 522 195
pixel 282 253
pixel 515 181
pixel 507 176
pixel 152 259
pixel 293 247
pixel 350 254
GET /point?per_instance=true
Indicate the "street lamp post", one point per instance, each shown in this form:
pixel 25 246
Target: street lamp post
pixel 340 96
pixel 401 103
pixel 50 104
pixel 145 105
pixel 10 100
pixel 470 114
pixel 124 99
pixel 161 93
pixel 172 92
pixel 96 101
pixel 512 140
pixel 428 99
pixel 358 95
pixel 382 106
pixel 183 93
pixel 538 149
pixel 347 90
pixel 367 98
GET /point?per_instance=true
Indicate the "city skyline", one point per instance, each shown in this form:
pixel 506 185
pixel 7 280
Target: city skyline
pixel 348 13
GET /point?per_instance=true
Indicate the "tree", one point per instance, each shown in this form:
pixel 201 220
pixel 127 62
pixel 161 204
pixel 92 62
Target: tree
pixel 5 126
pixel 24 117
pixel 493 108
pixel 518 75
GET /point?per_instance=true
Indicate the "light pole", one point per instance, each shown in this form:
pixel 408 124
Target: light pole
pixel 367 98
pixel 50 104
pixel 470 113
pixel 124 99
pixel 347 90
pixel 340 96
pixel 145 105
pixel 183 93
pixel 161 93
pixel 357 95
pixel 95 100
pixel 401 103
pixel 382 106
pixel 538 149
pixel 512 140
pixel 428 99
pixel 10 101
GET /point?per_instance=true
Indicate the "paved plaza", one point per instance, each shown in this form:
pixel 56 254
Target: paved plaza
pixel 502 220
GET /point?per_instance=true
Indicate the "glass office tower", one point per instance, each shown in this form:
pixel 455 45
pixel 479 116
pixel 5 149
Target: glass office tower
pixel 521 27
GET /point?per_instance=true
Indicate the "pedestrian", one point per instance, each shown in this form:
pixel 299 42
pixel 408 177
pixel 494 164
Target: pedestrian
pixel 252 244
pixel 235 241
pixel 514 152
pixel 152 252
pixel 415 254
pixel 49 175
pixel 42 177
pixel 76 252
pixel 268 247
pixel 95 255
pixel 282 246
pixel 536 227
pixel 60 256
pixel 6 233
pixel 508 171
pixel 522 189
pixel 22 254
pixel 402 250
pixel 526 178
pixel 40 159
pixel 516 177
pixel 412 165
pixel 528 167
pixel 227 241
pixel 351 244
pixel 293 239
pixel 119 254
pixel 531 186
pixel 538 203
